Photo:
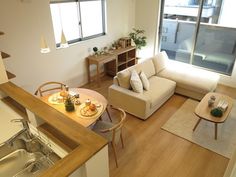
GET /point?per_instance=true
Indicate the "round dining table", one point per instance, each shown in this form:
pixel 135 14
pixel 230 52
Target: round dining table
pixel 84 94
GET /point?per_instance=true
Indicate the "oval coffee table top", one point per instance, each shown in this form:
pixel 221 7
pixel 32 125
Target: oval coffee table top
pixel 204 111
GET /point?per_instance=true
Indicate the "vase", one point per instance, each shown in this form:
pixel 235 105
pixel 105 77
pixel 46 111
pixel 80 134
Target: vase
pixel 69 107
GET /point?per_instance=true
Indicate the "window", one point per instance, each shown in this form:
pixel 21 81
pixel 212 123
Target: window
pixel 200 32
pixel 78 19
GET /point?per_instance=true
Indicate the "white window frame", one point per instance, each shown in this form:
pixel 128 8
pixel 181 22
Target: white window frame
pixel 80 36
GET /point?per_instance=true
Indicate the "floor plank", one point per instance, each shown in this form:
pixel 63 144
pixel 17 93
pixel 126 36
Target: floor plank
pixel 152 152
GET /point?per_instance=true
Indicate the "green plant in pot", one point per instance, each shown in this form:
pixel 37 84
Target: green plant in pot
pixel 69 105
pixel 138 37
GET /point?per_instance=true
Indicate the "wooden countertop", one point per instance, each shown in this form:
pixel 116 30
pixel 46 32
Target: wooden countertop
pixel 88 142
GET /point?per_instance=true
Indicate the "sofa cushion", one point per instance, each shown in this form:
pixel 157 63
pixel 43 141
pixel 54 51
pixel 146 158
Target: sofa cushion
pixel 145 82
pixel 159 89
pixel 159 61
pixel 191 78
pixel 124 76
pixel 147 67
pixel 136 82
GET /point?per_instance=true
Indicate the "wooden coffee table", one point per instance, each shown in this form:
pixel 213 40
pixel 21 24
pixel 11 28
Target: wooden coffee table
pixel 204 112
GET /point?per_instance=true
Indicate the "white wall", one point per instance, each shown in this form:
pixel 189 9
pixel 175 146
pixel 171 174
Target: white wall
pixel 228 11
pixel 24 21
pixel 146 18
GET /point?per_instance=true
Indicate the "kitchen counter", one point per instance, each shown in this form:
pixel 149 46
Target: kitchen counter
pixel 91 151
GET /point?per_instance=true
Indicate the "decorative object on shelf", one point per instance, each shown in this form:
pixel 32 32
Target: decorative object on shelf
pixel 64 43
pixel 69 105
pixel 132 43
pixel 138 37
pixel 216 112
pixel 95 49
pixel 125 42
pixel 115 45
pixel 105 50
pixel 44 47
pixel 211 101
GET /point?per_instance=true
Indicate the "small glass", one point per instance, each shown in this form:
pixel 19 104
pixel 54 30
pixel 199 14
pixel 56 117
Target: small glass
pixel 211 102
pixel 87 102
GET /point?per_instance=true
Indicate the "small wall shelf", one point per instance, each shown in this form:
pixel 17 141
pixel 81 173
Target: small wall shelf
pixel 15 106
pixel 10 75
pixel 5 55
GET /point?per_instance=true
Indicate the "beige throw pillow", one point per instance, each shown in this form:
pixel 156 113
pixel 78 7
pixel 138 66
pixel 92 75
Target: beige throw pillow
pixel 135 82
pixel 145 82
pixel 124 79
pixel 159 61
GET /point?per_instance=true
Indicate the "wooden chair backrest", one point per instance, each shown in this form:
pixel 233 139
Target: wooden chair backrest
pixel 49 86
pixel 116 129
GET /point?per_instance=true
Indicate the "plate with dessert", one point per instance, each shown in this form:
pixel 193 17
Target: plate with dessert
pixel 55 99
pixel 89 111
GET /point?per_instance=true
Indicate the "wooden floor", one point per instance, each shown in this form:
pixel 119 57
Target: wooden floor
pixel 152 152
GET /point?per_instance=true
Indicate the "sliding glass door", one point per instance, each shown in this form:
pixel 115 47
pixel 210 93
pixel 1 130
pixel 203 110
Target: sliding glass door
pixel 200 33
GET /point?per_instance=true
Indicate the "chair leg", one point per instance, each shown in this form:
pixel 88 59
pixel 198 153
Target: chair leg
pixel 122 141
pixel 114 150
pixel 108 114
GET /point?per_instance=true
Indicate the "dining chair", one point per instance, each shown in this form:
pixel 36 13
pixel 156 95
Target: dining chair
pixel 112 131
pixel 49 86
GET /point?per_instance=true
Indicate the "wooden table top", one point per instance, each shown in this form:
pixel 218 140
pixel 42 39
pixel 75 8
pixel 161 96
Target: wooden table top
pixel 84 94
pixel 204 111
pixel 109 55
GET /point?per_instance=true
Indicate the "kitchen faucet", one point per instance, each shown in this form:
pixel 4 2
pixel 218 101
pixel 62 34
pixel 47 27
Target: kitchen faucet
pixel 25 129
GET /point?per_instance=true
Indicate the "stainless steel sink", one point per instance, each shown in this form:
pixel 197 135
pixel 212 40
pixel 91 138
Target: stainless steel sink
pixel 25 157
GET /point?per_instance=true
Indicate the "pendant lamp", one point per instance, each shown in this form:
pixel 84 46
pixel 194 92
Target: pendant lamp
pixel 44 47
pixel 64 43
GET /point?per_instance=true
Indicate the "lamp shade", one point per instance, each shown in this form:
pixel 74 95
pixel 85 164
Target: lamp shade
pixel 44 47
pixel 64 43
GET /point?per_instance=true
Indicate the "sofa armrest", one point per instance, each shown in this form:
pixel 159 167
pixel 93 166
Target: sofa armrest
pixel 132 102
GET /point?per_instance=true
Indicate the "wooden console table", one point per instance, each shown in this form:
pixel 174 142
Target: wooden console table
pixel 118 60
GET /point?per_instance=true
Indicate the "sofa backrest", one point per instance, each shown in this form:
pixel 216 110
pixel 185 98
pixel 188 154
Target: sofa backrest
pixel 160 61
pixel 123 77
pixel 150 67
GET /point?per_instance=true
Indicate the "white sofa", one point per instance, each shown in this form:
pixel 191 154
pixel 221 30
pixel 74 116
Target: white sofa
pixel 165 78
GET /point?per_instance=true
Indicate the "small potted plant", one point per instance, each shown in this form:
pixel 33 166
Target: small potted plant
pixel 69 105
pixel 138 38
